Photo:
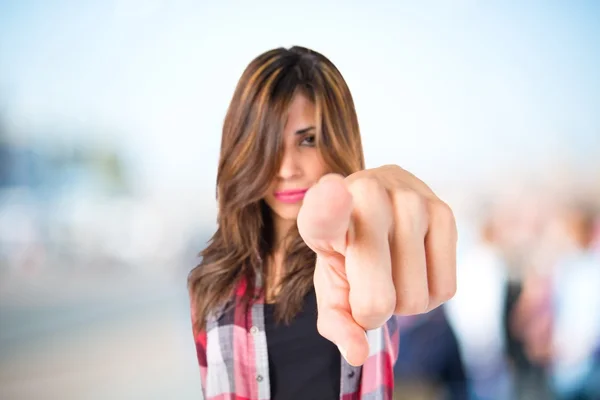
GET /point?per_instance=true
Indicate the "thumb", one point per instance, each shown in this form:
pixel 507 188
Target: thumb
pixel 334 318
pixel 324 217
pixel 339 327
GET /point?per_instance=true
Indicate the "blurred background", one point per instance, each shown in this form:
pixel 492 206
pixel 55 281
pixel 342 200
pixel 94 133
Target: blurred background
pixel 110 118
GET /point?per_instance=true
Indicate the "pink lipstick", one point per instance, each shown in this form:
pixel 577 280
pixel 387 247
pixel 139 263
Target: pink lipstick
pixel 290 196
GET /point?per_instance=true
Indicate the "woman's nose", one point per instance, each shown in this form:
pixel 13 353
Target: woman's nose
pixel 290 167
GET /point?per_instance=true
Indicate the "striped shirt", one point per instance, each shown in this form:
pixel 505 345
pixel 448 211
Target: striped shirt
pixel 234 364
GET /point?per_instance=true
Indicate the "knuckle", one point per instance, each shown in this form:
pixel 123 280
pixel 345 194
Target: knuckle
pixel 442 215
pixel 448 293
pixel 392 168
pixel 443 294
pixel 372 311
pixel 412 305
pixel 412 202
pixel 366 186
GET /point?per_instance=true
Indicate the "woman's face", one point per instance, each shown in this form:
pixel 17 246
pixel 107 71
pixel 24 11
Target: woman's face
pixel 302 165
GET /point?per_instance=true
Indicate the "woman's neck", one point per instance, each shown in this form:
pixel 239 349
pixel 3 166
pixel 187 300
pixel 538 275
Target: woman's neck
pixel 282 228
pixel 276 260
pixel 274 274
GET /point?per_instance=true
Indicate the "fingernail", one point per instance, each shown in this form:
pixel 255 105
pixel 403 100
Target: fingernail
pixel 343 352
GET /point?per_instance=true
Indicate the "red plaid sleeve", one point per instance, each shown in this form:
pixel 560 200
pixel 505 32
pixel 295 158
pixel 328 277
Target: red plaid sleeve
pixel 200 339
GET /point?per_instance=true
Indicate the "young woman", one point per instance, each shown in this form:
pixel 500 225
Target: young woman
pixel 293 278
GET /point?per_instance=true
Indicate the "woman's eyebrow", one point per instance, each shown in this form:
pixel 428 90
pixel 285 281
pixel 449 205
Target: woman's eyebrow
pixel 304 130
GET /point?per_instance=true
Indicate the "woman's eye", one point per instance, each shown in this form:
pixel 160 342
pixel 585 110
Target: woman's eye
pixel 308 141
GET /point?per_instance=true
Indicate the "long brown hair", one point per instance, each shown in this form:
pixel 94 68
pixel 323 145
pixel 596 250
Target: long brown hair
pixel 251 152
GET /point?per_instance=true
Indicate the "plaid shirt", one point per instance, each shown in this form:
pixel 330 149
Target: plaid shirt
pixel 234 365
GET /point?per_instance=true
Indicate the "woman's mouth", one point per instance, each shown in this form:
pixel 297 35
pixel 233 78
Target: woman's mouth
pixel 290 196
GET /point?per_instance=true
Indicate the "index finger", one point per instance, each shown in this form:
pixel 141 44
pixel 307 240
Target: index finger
pixel 324 217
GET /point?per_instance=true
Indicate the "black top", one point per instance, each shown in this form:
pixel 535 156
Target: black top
pixel 302 363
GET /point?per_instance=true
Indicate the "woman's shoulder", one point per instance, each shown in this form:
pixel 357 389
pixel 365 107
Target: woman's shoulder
pixel 204 286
